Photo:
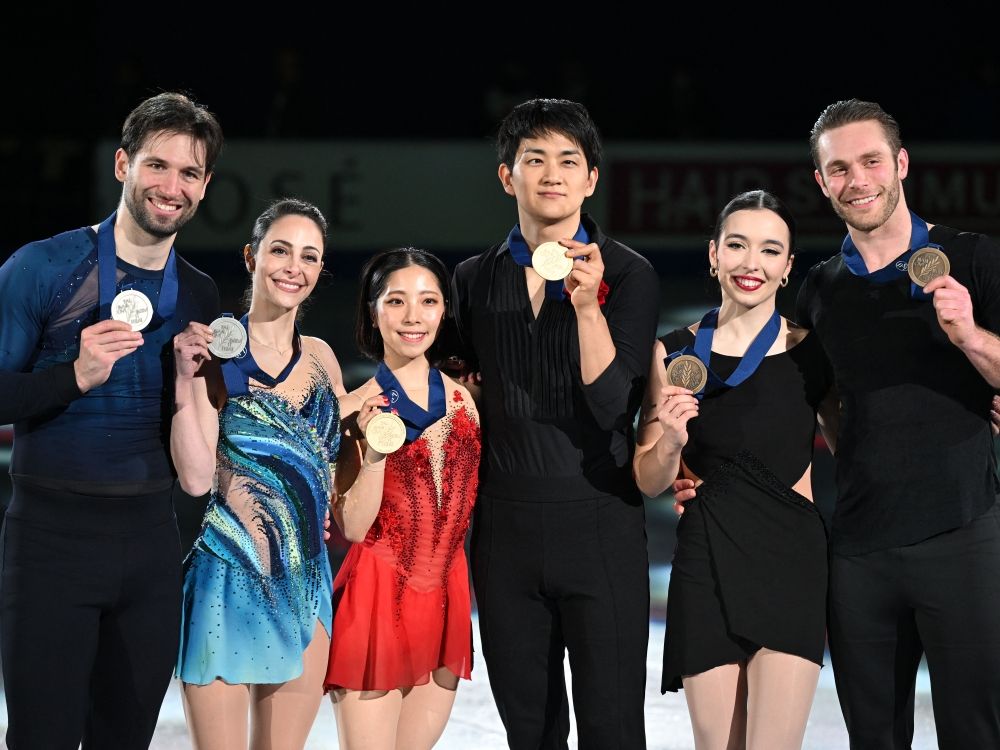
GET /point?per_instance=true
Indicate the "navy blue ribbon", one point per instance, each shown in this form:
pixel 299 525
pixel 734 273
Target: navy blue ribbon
pixel 919 237
pixel 414 417
pixel 236 372
pixel 107 277
pixel 521 254
pixel 750 361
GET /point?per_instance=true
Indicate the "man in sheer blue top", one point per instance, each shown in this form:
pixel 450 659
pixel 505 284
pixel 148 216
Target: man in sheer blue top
pixel 90 586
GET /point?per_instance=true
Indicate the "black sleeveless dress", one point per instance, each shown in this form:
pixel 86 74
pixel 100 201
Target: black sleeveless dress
pixel 750 567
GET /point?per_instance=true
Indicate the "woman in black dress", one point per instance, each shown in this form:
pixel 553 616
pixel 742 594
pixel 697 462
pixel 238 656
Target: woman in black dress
pixel 747 599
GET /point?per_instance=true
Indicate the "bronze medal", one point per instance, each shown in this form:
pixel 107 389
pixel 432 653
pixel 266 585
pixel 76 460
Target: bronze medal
pixel 687 371
pixel 926 264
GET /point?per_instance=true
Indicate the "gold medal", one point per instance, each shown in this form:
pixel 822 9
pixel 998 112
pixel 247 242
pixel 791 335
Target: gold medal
pixel 550 262
pixel 926 264
pixel 386 432
pixel 132 307
pixel 229 337
pixel 687 371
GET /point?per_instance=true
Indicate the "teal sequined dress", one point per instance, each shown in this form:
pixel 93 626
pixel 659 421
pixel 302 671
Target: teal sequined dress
pixel 258 578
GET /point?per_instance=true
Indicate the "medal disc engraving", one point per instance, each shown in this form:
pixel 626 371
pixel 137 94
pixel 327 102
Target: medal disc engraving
pixel 132 307
pixel 926 264
pixel 386 432
pixel 550 262
pixel 229 338
pixel 688 372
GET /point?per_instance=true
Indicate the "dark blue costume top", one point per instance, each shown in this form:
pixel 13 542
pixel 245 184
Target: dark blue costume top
pixel 115 437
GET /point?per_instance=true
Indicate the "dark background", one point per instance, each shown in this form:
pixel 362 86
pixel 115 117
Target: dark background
pixel 71 77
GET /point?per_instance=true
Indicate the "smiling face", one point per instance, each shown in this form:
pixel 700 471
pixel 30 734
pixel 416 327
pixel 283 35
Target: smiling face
pixel 163 183
pixel 408 313
pixel 550 178
pixel 752 255
pixel 860 175
pixel 287 262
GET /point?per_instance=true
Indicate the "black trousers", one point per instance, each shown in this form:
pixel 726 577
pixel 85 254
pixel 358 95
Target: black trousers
pixel 940 597
pixel 557 577
pixel 89 618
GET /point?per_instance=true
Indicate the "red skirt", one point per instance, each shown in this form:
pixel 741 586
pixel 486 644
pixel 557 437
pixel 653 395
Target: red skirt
pixel 388 635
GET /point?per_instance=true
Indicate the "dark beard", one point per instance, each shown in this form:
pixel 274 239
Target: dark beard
pixel 140 214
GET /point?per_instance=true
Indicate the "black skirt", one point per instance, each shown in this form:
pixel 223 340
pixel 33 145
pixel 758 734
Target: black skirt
pixel 749 572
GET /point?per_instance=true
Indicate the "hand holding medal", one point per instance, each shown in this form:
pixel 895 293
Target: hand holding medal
pixel 387 431
pixel 191 349
pixel 556 262
pixel 123 314
pixel 583 284
pixel 953 307
pixel 677 405
pixel 930 269
pixel 101 345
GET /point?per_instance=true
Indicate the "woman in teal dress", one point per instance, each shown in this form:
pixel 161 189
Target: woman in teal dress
pixel 261 429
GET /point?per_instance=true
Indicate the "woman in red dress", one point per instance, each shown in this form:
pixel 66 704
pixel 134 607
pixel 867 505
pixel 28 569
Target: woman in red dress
pixel 402 633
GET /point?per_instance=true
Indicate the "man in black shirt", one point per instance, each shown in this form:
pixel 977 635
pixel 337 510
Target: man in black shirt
pixel 559 544
pixel 916 530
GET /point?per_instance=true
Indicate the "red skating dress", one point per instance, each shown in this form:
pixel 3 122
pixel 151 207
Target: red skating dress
pixel 401 599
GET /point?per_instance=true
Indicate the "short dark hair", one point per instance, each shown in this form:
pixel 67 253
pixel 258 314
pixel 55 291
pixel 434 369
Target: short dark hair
pixel 286 207
pixel 538 117
pixel 755 200
pixel 374 279
pixel 849 111
pixel 173 113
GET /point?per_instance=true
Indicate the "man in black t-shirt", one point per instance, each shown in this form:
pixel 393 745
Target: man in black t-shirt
pixel 559 543
pixel 915 541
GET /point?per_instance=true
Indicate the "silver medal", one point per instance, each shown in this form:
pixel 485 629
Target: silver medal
pixel 229 337
pixel 132 307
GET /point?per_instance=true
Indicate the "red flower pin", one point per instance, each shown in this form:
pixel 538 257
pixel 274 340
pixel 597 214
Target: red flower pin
pixel 602 293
